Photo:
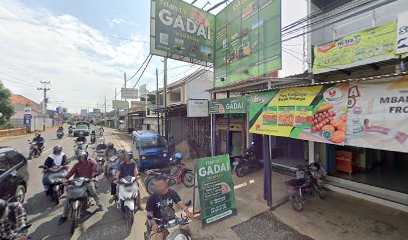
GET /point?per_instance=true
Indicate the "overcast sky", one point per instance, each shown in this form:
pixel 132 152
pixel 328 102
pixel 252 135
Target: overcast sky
pixel 83 48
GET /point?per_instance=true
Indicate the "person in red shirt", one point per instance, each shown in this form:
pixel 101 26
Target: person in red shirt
pixel 83 168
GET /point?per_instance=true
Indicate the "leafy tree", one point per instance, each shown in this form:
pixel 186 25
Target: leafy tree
pixel 6 106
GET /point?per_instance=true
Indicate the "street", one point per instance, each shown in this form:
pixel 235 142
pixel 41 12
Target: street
pixel 44 215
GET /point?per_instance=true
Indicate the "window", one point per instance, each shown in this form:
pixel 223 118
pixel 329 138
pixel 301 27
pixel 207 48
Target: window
pixel 9 160
pixel 152 143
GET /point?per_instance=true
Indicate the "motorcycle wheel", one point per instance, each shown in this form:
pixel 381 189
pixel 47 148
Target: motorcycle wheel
pixel 129 218
pixel 137 202
pixel 188 179
pixel 296 203
pixel 150 185
pixel 55 197
pixel 240 170
pixel 75 219
pixel 318 191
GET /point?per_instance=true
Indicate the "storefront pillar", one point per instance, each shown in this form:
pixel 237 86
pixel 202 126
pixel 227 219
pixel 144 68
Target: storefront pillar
pixel 228 148
pixel 311 152
pixel 214 131
pixel 267 171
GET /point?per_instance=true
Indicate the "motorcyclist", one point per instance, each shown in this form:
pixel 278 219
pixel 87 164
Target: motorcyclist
pixel 83 168
pixel 40 141
pixel 116 166
pixel 60 129
pixel 110 150
pixel 101 131
pixel 13 218
pixel 162 202
pixel 54 160
pixel 81 138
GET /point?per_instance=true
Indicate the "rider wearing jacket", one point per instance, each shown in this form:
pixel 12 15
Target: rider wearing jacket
pixel 54 160
pixel 40 141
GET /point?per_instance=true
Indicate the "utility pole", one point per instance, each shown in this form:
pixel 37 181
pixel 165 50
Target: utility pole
pixel 165 99
pixel 44 110
pixel 116 113
pixel 157 101
pixel 105 113
pixel 128 110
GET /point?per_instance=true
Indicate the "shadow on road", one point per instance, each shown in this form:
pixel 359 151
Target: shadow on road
pixel 39 203
pixel 62 230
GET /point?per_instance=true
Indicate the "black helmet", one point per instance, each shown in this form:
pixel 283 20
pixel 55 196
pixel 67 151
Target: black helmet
pixel 121 152
pixel 129 155
pixel 82 154
pixel 3 206
pixel 57 150
pixel 109 145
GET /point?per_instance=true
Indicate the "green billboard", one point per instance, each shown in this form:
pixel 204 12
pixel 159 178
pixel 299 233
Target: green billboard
pixel 216 188
pixel 248 40
pixel 181 31
pixel 229 105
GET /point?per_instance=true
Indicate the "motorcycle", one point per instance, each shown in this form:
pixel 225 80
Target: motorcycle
pixel 176 174
pixel 93 138
pixel 70 132
pixel 60 134
pixel 35 149
pixel 55 178
pixel 170 228
pixel 129 197
pixel 110 171
pixel 303 189
pixel 100 160
pixel 247 162
pixel 80 146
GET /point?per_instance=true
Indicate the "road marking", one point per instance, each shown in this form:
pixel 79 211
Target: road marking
pixel 56 144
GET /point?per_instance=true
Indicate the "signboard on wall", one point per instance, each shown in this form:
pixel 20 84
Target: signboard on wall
pixel 402 33
pixel 315 113
pixel 129 93
pixel 119 104
pixel 248 40
pixel 197 108
pixel 181 31
pixel 228 105
pixel 27 120
pixel 374 45
pixel 216 188
pixel 378 113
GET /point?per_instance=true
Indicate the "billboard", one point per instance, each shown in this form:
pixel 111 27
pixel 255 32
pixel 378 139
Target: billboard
pixel 197 108
pixel 118 104
pixel 229 105
pixel 402 33
pixel 248 40
pixel 181 31
pixel 315 113
pixel 129 93
pixel 374 45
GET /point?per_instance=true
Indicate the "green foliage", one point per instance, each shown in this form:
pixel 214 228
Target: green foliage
pixel 6 106
pixel 6 125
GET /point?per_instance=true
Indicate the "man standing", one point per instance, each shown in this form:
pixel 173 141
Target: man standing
pixel 83 168
pixel 13 218
pixel 54 160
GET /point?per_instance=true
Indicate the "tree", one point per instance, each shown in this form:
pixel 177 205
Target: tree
pixel 6 106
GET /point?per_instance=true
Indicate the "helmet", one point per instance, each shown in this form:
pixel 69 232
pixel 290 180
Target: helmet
pixel 129 155
pixel 57 150
pixel 109 145
pixel 3 206
pixel 177 158
pixel 38 134
pixel 121 152
pixel 82 154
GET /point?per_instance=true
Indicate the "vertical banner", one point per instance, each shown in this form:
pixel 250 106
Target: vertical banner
pixel 216 188
pixel 402 33
pixel 378 114
pixel 316 113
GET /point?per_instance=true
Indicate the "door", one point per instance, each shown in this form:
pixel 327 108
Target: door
pixel 236 140
pixel 7 178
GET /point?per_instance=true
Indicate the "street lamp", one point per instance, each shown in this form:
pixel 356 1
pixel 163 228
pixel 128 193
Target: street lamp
pixel 1 114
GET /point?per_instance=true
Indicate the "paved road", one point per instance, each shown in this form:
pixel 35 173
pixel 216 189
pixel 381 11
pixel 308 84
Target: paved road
pixel 44 215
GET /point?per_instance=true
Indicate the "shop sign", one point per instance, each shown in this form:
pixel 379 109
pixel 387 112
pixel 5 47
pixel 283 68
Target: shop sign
pixel 181 31
pixel 248 40
pixel 197 108
pixel 378 114
pixel 216 188
pixel 315 113
pixel 374 45
pixel 229 105
pixel 402 33
pixel 119 104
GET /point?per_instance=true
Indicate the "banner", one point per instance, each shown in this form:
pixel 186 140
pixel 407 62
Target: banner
pixel 229 105
pixel 374 45
pixel 119 104
pixel 402 33
pixel 216 188
pixel 378 114
pixel 197 108
pixel 181 31
pixel 129 93
pixel 248 40
pixel 316 113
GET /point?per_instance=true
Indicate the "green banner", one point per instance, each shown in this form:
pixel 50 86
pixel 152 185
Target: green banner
pixel 216 188
pixel 229 105
pixel 374 45
pixel 248 40
pixel 181 31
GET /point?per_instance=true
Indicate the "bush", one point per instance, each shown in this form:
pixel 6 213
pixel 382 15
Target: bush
pixel 7 125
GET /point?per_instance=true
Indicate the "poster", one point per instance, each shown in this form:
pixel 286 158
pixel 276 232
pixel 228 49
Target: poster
pixel 402 33
pixel 229 105
pixel 315 113
pixel 216 188
pixel 181 31
pixel 374 45
pixel 248 40
pixel 378 113
pixel 197 108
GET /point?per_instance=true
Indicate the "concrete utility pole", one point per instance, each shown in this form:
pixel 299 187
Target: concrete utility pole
pixel 157 101
pixel 44 110
pixel 165 98
pixel 128 109
pixel 105 113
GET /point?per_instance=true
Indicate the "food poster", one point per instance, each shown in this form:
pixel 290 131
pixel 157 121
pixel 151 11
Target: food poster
pixel 378 114
pixel 216 188
pixel 316 113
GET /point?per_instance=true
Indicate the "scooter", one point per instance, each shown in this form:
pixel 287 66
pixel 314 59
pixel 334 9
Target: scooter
pixel 60 134
pixel 110 172
pixel 170 228
pixel 247 163
pixel 80 146
pixel 70 132
pixel 55 178
pixel 93 137
pixel 303 189
pixel 35 149
pixel 129 198
pixel 100 160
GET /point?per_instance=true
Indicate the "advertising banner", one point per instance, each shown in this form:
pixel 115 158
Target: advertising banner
pixel 216 188
pixel 197 108
pixel 402 33
pixel 118 104
pixel 129 93
pixel 315 113
pixel 378 114
pixel 229 105
pixel 27 120
pixel 248 40
pixel 181 31
pixel 374 45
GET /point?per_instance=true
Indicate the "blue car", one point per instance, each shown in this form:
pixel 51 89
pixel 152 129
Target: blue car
pixel 151 149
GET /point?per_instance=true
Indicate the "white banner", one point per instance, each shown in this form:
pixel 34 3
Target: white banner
pixel 129 93
pixel 402 33
pixel 197 108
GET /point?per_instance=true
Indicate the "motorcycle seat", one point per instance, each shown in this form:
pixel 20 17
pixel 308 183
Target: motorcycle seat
pixel 296 183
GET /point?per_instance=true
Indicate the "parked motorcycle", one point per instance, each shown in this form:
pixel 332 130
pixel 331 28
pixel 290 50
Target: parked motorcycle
pixel 177 173
pixel 129 197
pixel 55 178
pixel 80 146
pixel 60 134
pixel 247 162
pixel 171 229
pixel 303 189
pixel 35 149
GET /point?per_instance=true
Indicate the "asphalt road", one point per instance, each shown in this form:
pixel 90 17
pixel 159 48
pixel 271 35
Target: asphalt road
pixel 44 215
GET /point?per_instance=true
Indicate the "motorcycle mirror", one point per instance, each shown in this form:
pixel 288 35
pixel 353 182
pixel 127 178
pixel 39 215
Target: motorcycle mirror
pixel 252 143
pixel 188 203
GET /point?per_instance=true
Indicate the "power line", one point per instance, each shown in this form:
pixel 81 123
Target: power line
pixel 143 71
pixel 139 68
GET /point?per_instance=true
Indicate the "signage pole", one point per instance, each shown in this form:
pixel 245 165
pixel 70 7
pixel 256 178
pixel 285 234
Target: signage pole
pixel 165 98
pixel 44 110
pixel 228 130
pixel 157 101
